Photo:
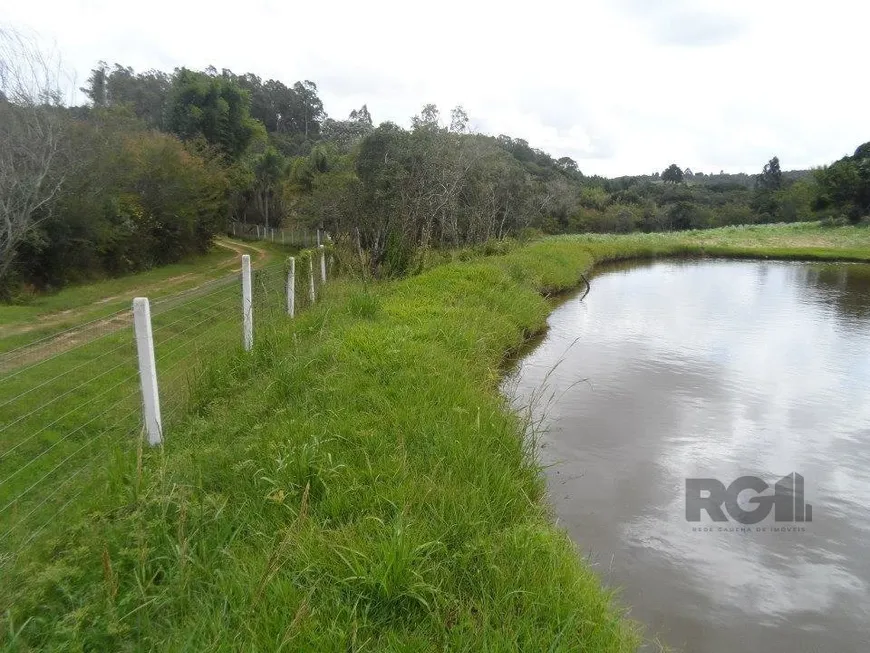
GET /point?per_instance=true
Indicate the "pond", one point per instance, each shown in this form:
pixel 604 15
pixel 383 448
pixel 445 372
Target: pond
pixel 716 370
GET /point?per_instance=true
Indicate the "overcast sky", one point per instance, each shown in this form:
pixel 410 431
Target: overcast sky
pixel 622 86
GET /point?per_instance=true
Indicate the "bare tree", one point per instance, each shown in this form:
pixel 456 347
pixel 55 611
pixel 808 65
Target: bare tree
pixel 31 129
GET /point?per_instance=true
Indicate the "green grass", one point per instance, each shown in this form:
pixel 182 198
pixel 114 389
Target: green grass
pixel 802 241
pixel 355 483
pixel 65 411
pixel 44 314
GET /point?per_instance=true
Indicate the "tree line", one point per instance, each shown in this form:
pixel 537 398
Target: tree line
pixel 155 164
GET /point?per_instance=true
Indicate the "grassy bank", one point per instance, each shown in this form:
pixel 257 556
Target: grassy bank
pixel 69 405
pixel 800 241
pixel 356 483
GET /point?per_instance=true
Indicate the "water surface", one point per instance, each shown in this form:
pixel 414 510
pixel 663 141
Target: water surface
pixel 715 369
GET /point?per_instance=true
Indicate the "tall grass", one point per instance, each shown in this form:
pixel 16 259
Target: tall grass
pixel 354 483
pixel 70 406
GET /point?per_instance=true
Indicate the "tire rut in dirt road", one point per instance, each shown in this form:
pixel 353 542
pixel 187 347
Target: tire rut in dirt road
pixel 78 335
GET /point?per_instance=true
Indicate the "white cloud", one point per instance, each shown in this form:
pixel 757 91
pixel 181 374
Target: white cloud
pixel 686 23
pixel 624 87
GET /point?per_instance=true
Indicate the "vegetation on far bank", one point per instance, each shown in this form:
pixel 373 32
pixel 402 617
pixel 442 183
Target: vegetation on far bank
pixel 356 482
pixel 800 241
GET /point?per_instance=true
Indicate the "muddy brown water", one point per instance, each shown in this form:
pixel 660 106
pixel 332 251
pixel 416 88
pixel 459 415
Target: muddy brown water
pixel 714 369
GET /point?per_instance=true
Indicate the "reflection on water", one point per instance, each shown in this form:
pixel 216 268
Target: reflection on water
pixel 716 370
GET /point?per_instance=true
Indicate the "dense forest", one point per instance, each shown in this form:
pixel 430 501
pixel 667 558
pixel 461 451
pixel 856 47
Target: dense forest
pixel 155 164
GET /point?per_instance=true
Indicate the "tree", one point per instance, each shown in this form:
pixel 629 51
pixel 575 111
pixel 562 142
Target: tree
pixel 268 173
pixel 845 185
pixel 672 174
pixel 135 198
pixel 568 164
pixel 458 120
pixel 97 82
pixel 272 102
pixel 861 158
pixel 862 152
pixel 308 109
pixel 361 116
pixel 31 133
pixel 771 176
pixel 345 134
pixel 684 215
pixel 144 93
pixel 211 107
pixel 428 118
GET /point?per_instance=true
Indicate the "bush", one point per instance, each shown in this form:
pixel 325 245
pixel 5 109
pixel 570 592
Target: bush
pixel 132 200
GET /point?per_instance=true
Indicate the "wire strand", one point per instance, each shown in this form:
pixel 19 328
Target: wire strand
pixel 179 306
pixel 56 467
pixel 220 283
pixel 59 354
pixel 77 327
pixel 164 355
pixel 63 439
pixel 57 488
pixel 61 396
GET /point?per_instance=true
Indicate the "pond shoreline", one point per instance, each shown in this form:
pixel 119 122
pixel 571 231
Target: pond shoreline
pixel 388 394
pixel 605 348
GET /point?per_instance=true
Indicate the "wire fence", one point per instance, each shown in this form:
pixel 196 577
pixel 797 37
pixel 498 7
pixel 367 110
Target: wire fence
pixel 72 401
pixel 297 236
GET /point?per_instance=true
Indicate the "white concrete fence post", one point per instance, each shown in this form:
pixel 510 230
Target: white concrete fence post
pixel 147 370
pixel 291 288
pixel 318 237
pixel 322 264
pixel 311 295
pixel 247 304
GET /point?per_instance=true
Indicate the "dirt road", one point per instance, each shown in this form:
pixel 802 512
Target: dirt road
pixel 89 330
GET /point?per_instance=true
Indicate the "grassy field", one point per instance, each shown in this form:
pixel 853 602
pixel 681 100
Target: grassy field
pixel 46 314
pixel 802 241
pixel 72 403
pixel 356 483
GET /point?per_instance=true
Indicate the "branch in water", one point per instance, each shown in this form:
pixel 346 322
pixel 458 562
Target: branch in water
pixel 588 286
